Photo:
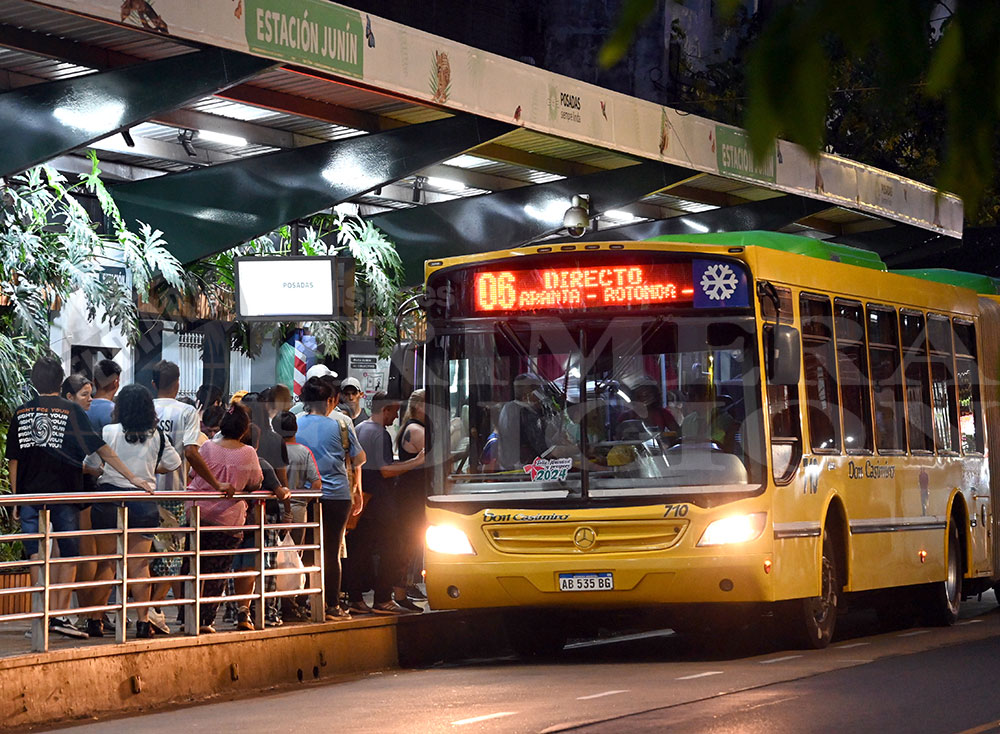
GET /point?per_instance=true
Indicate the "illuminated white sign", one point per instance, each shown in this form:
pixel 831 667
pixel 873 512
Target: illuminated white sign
pixel 286 288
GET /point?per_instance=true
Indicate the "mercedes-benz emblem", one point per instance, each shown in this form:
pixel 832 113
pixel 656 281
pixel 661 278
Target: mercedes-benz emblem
pixel 584 538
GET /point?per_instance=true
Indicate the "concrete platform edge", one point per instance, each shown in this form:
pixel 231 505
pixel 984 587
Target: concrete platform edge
pixel 88 683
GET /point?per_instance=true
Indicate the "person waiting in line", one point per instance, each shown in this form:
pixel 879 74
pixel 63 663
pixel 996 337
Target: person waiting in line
pixel 48 440
pixel 303 474
pixel 245 559
pixel 208 396
pixel 211 417
pixel 351 399
pixel 78 389
pixel 411 491
pixel 520 427
pixel 181 424
pixel 330 436
pixel 107 379
pixel 145 448
pixel 378 531
pixel 236 464
pixel 317 370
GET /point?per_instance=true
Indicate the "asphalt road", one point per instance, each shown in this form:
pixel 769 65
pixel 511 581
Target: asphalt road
pixel 915 680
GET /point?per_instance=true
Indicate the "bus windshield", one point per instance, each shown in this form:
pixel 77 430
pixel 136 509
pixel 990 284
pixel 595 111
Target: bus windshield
pixel 590 408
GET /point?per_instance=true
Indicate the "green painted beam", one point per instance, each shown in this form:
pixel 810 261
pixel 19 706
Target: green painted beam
pixel 209 210
pixel 516 216
pixel 48 120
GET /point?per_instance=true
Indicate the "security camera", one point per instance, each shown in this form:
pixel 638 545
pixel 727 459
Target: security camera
pixel 576 220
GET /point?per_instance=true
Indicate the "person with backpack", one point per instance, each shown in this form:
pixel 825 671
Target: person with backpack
pixel 145 449
pixel 330 435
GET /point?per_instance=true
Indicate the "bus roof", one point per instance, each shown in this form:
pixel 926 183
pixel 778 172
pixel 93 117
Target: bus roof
pixel 787 243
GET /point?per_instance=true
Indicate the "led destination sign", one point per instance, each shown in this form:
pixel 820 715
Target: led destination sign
pixel 582 288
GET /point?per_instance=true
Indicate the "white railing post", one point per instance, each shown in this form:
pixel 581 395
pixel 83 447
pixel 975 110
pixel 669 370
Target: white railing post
pixel 259 518
pixel 40 601
pixel 318 605
pixel 122 540
pixel 192 612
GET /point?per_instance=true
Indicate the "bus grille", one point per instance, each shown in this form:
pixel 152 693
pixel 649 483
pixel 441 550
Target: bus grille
pixel 608 536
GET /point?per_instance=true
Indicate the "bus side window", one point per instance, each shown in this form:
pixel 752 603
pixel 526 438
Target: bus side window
pixel 819 358
pixel 918 381
pixel 886 379
pixel 945 407
pixel 970 417
pixel 852 362
pixel 783 410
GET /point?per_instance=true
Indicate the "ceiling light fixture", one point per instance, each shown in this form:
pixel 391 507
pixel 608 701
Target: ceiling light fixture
pixel 222 138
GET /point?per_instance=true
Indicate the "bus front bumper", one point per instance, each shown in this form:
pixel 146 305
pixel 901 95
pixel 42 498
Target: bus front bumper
pixel 655 580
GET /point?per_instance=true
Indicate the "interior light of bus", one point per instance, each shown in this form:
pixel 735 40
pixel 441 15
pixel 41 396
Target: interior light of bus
pixel 735 529
pixel 581 288
pixel 448 540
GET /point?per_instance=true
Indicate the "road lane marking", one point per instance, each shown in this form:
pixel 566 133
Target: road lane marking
pixel 600 695
pixel 969 621
pixel 699 675
pixel 914 633
pixel 853 644
pixel 992 726
pixel 779 660
pixel 487 717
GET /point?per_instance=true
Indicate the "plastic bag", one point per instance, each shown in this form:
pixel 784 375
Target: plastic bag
pixel 288 559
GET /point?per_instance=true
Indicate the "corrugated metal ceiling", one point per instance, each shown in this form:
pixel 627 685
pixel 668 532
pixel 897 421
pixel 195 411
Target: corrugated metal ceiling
pixel 91 37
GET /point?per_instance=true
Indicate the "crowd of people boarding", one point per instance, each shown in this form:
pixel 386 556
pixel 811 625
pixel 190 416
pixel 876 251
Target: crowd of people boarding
pixel 84 434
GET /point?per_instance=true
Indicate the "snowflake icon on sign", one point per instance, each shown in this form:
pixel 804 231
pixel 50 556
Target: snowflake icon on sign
pixel 719 282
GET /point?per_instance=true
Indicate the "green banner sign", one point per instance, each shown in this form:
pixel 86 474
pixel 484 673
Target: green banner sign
pixel 314 33
pixel 733 154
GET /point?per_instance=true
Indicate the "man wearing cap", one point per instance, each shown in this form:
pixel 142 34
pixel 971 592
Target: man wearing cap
pixel 350 401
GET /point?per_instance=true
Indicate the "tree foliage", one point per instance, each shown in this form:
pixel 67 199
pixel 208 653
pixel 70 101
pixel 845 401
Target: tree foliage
pixel 925 75
pixel 378 277
pixel 50 249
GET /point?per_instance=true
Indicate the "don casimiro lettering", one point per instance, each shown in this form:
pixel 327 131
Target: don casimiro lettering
pixel 870 470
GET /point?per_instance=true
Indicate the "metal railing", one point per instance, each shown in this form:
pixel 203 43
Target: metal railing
pixel 41 585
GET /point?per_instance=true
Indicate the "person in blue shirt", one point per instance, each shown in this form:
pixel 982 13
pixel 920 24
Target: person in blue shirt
pixel 107 376
pixel 330 435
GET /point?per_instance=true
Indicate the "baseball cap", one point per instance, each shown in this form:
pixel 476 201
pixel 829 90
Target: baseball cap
pixel 319 370
pixel 350 382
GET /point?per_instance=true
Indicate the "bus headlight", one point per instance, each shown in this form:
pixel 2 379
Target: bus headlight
pixel 449 540
pixel 736 529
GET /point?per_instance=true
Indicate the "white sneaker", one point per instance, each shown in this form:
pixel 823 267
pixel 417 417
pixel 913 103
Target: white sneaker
pixel 159 621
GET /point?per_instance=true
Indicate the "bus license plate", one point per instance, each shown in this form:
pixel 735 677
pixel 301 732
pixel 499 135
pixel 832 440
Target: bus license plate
pixel 586 581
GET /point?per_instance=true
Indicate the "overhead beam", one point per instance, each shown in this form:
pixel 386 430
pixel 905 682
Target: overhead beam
pixel 514 217
pixel 48 120
pixel 769 214
pixel 213 209
pixel 161 149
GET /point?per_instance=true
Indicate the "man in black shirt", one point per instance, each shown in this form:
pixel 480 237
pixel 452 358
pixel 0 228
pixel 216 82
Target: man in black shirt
pixel 47 441
pixel 378 529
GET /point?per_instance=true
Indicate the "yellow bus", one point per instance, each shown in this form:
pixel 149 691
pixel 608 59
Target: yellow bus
pixel 707 427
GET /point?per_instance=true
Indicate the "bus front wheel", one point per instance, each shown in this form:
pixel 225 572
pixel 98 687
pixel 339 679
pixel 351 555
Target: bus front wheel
pixel 811 621
pixel 945 597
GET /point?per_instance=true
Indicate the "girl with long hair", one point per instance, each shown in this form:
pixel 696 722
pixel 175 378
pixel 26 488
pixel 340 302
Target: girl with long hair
pixel 145 450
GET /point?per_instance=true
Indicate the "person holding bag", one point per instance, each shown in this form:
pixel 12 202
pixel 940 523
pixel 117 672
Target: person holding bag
pixel 234 464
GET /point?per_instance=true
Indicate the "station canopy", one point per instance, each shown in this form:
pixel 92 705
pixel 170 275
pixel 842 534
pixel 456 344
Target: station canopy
pixel 219 121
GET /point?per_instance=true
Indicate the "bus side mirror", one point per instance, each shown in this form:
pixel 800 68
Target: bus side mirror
pixel 782 354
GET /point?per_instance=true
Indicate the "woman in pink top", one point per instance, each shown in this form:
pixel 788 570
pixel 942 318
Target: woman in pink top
pixel 234 462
